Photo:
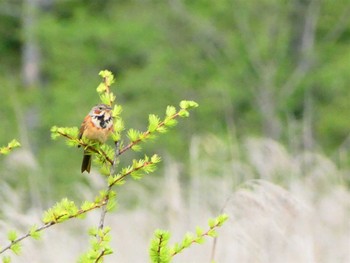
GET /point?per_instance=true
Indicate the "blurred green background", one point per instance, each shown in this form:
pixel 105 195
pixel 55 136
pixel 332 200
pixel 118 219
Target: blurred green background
pixel 272 68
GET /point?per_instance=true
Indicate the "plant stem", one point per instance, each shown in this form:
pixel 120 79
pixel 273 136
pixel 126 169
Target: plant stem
pixel 47 225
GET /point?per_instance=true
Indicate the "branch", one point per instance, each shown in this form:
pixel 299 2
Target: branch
pixel 118 178
pixel 52 223
pixel 25 236
pixel 113 170
pixel 306 52
pixel 104 208
pixel 104 90
pixel 211 232
pixel 161 252
pixel 213 249
pixel 147 133
pixel 87 146
pixel 100 256
pixel 10 146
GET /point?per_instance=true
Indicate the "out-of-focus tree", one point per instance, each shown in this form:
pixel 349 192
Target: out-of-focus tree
pixel 30 48
pixel 273 68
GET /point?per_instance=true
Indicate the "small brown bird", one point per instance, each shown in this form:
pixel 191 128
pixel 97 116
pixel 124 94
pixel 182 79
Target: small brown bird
pixel 97 126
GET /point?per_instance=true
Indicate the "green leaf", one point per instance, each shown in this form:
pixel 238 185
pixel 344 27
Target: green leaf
pixel 153 122
pixel 155 159
pixel 60 212
pixel 177 248
pixel 108 251
pixel 212 233
pixel 48 216
pixel 170 122
pixel 108 77
pixel 105 98
pixel 104 169
pixel 87 205
pixel 106 230
pixel 118 125
pixel 150 168
pixel 72 143
pixel 101 88
pixel 111 97
pixel 92 256
pixel 199 231
pixel 102 195
pixel 222 219
pixel 136 175
pixel 212 222
pixel 187 241
pixel 116 136
pixel 188 104
pixel 12 235
pixel 6 259
pixel 71 132
pixel 159 250
pixel 9 147
pixel 4 150
pixel 133 135
pixel 162 129
pixel 93 231
pixel 183 104
pixel 117 110
pixel 136 148
pixel 200 240
pixel 111 205
pixel 184 113
pixel 34 233
pixel 16 248
pixel 112 194
pixel 170 111
pixel 14 143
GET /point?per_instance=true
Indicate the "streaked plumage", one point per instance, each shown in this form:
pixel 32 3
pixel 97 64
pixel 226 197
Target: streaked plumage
pixel 97 126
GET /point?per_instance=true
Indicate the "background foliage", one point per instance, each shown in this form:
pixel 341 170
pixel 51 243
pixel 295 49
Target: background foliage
pixel 268 68
pixel 271 69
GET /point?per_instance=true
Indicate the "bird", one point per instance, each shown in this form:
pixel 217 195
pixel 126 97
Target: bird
pixel 96 126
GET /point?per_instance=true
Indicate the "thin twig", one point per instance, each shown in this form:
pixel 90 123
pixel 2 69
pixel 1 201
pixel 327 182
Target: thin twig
pixel 52 223
pixel 108 89
pixel 104 209
pixel 120 178
pixel 113 171
pixel 88 147
pixel 195 240
pixel 25 236
pixel 213 249
pixel 146 133
pixel 100 256
pixel 115 161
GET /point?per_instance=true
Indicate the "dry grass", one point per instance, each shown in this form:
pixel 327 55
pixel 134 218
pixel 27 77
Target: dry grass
pixel 282 208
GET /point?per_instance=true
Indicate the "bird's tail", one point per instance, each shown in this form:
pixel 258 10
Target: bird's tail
pixel 86 164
